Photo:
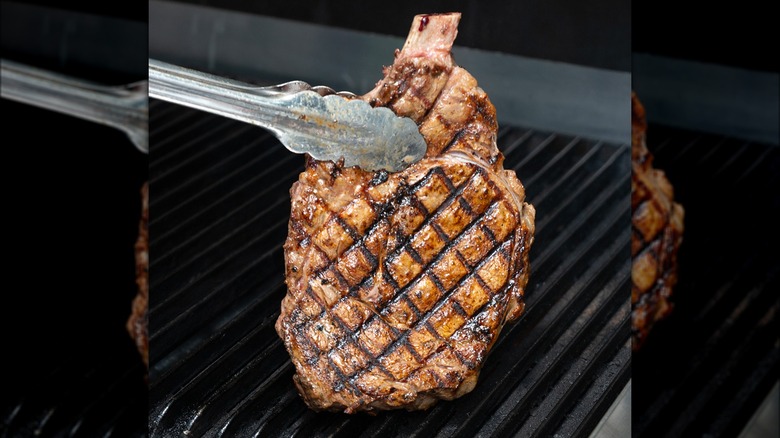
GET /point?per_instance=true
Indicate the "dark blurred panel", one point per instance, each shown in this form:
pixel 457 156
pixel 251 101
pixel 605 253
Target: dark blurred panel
pixel 708 77
pixel 706 368
pixel 135 10
pixel 595 33
pixel 744 34
pixel 75 197
pixel 73 204
pixel 99 48
pixel 72 193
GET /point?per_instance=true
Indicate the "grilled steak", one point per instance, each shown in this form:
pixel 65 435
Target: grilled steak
pixel 399 283
pixel 138 323
pixel 657 226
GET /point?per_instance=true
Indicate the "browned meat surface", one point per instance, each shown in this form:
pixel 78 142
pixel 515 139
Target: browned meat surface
pixel 399 284
pixel 657 226
pixel 138 323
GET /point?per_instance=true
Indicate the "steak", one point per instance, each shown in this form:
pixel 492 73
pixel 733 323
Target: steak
pixel 138 322
pixel 657 227
pixel 399 283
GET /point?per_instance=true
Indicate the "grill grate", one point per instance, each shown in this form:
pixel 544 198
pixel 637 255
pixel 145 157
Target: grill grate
pixel 219 211
pixel 705 370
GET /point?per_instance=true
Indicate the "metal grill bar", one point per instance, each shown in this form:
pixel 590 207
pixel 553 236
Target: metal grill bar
pixel 219 368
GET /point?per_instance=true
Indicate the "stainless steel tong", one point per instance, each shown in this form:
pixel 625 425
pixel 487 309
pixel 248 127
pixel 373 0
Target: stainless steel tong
pixel 313 120
pixel 122 107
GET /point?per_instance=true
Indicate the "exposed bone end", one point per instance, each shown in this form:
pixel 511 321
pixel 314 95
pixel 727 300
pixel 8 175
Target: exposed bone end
pixel 431 33
pixel 427 48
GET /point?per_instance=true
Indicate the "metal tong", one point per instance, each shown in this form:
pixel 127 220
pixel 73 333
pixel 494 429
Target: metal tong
pixel 123 107
pixel 313 120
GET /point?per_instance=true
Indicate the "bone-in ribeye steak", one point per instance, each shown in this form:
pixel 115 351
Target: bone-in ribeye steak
pixel 399 283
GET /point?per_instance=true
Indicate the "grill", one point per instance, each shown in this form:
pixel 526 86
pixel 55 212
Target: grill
pixel 705 370
pixel 219 211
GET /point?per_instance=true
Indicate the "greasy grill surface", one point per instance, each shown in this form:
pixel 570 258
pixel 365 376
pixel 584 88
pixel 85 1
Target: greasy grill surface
pixel 705 369
pixel 220 205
